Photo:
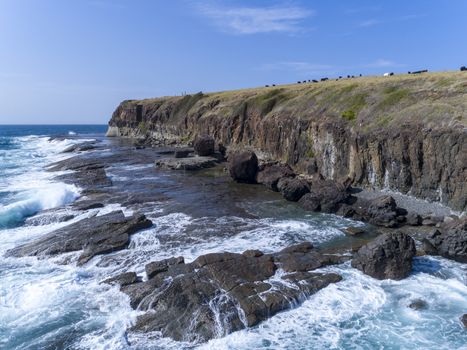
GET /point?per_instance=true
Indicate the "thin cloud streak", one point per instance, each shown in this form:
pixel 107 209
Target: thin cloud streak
pixel 254 20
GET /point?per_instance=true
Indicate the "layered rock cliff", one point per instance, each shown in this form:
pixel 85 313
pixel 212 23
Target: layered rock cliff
pixel 405 133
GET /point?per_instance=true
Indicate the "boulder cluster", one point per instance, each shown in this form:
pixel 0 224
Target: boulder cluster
pixel 320 195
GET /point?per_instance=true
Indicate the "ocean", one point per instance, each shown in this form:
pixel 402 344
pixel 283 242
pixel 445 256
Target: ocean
pixel 47 303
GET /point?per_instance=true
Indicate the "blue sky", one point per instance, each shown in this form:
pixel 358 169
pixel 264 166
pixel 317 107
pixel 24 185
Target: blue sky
pixel 74 61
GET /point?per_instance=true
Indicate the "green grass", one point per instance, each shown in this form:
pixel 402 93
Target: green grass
pixel 349 115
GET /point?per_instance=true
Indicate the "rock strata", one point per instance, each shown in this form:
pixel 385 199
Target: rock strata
pixel 220 293
pixel 389 256
pixel 94 235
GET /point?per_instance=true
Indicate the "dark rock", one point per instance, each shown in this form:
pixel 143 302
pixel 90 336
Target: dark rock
pixel 95 235
pixel 293 188
pixel 269 175
pixel 155 267
pixel 354 231
pixel 413 219
pixel 325 196
pixel 253 253
pixel 450 241
pixel 182 153
pixel 463 319
pixel 190 164
pixel 202 300
pixel 123 279
pixel 87 205
pixel 388 256
pixel 418 304
pixel 243 166
pixel 204 145
pixel 381 211
pixel 80 147
pixel 48 217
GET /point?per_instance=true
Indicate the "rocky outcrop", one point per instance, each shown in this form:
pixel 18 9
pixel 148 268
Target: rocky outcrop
pixel 388 256
pixel 220 293
pixel 94 235
pixel 293 189
pixel 305 129
pixel 243 166
pixel 326 196
pixel 204 145
pixel 270 174
pixel 450 241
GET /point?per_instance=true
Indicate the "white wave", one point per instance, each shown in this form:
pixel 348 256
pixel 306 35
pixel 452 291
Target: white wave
pixel 71 133
pixel 47 197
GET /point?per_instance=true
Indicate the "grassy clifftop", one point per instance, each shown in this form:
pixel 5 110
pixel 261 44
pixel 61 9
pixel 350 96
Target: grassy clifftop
pixel 366 103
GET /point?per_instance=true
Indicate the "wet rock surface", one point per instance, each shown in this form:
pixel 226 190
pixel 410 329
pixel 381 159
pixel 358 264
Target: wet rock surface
pixel 94 235
pixel 450 241
pixel 191 163
pixel 389 256
pixel 326 196
pixel 225 292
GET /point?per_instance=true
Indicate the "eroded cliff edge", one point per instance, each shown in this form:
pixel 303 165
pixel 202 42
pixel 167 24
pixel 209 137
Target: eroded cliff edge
pixel 405 133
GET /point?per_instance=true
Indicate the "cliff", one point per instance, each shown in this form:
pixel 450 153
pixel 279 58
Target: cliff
pixel 405 133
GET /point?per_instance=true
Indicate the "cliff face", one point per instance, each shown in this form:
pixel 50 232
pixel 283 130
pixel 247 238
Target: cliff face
pixel 405 133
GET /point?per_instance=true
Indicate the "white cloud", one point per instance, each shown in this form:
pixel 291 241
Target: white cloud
pixel 252 20
pixel 369 23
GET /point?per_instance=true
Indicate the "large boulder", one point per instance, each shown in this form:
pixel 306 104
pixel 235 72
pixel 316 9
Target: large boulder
pixel 94 235
pixel 204 145
pixel 388 256
pixel 220 293
pixel 270 174
pixel 450 241
pixel 380 211
pixel 293 188
pixel 243 166
pixel 325 196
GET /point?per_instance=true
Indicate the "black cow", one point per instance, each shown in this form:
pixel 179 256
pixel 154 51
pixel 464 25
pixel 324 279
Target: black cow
pixel 324 79
pixel 419 71
pixel 266 85
pixel 273 84
pixel 463 68
pixel 315 81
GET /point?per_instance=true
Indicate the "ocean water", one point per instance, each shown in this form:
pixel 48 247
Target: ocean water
pixel 46 304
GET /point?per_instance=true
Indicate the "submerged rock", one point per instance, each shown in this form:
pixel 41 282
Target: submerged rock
pixel 450 241
pixel 94 235
pixel 192 163
pixel 204 145
pixel 388 256
pixel 220 293
pixel 243 166
pixel 418 304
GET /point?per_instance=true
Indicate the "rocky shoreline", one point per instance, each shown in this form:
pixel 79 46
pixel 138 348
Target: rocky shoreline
pixel 223 292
